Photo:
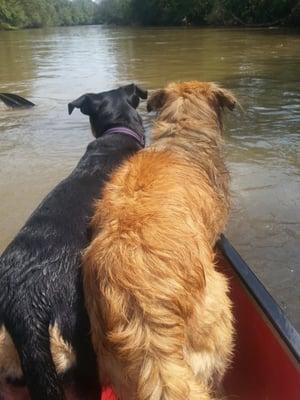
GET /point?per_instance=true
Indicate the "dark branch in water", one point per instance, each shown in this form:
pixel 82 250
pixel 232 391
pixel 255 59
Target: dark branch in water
pixel 15 101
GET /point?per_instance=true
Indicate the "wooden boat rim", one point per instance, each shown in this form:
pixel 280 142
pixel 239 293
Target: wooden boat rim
pixel 271 309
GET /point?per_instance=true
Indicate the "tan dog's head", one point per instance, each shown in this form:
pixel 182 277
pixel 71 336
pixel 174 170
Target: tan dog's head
pixel 193 94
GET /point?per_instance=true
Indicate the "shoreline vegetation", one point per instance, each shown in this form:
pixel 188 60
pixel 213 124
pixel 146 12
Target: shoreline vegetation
pixel 20 14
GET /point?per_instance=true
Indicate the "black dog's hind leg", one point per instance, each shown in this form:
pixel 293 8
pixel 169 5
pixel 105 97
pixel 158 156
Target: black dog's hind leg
pixel 38 367
pixel 82 381
pixel 86 374
pixel 80 387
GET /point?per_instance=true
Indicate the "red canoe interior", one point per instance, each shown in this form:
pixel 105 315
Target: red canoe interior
pixel 107 394
pixel 263 367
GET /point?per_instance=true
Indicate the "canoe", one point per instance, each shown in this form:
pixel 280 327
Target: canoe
pixel 266 363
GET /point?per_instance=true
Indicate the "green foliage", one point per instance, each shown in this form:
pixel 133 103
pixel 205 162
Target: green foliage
pixel 258 11
pixel 38 13
pixel 199 12
pixel 114 11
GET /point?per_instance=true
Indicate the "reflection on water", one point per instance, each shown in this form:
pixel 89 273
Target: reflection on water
pixel 51 67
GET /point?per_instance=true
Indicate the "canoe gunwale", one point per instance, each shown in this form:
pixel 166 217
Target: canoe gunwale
pixel 263 298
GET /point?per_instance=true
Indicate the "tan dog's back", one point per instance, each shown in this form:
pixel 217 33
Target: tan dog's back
pixel 150 277
pixel 160 315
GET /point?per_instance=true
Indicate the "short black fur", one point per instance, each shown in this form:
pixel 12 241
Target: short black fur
pixel 40 278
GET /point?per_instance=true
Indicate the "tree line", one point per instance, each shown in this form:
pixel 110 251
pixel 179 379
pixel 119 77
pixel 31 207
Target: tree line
pixel 38 13
pixel 200 12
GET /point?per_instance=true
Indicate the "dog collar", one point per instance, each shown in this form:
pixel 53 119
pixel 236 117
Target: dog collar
pixel 122 129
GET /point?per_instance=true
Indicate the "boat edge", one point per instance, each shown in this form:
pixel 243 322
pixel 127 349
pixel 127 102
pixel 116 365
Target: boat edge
pixel 271 309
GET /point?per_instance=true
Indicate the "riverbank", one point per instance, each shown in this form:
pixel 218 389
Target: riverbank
pixel 211 13
pixel 7 27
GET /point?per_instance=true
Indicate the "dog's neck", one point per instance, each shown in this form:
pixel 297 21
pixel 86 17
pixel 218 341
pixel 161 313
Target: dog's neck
pixel 197 137
pixel 189 127
pixel 123 130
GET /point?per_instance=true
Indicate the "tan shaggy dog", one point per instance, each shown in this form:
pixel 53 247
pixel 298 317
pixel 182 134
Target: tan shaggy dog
pixel 160 315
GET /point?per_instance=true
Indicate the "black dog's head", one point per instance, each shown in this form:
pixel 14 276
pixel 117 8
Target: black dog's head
pixel 112 109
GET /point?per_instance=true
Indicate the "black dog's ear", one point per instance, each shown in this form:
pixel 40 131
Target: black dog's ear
pixel 134 93
pixel 156 100
pixel 88 104
pixel 143 94
pixel 134 89
pixel 225 98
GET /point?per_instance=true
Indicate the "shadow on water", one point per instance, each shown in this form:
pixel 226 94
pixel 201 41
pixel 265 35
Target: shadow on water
pixel 54 66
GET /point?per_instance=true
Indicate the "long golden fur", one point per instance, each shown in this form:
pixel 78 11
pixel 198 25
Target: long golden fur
pixel 160 315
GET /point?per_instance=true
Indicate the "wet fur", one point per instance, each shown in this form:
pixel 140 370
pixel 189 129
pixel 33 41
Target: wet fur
pixel 160 315
pixel 43 321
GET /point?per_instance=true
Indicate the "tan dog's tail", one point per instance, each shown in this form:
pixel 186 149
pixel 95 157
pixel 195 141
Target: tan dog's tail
pixel 169 378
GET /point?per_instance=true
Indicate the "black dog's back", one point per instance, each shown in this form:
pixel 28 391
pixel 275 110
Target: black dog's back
pixel 41 298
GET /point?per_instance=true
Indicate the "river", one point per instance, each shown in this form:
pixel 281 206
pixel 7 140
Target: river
pixel 51 67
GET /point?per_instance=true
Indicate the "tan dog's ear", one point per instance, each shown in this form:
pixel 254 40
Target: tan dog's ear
pixel 157 100
pixel 225 98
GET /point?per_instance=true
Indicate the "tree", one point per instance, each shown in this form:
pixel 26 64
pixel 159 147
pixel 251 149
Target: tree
pixel 114 11
pixel 38 13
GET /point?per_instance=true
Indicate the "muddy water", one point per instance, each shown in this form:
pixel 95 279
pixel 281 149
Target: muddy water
pixel 38 147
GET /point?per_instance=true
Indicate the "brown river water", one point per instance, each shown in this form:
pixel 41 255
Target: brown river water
pixel 51 67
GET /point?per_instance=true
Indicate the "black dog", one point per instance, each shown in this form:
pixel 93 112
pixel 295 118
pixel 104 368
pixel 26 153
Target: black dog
pixel 42 313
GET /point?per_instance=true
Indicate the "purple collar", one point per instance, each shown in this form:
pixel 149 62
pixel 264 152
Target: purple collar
pixel 122 129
